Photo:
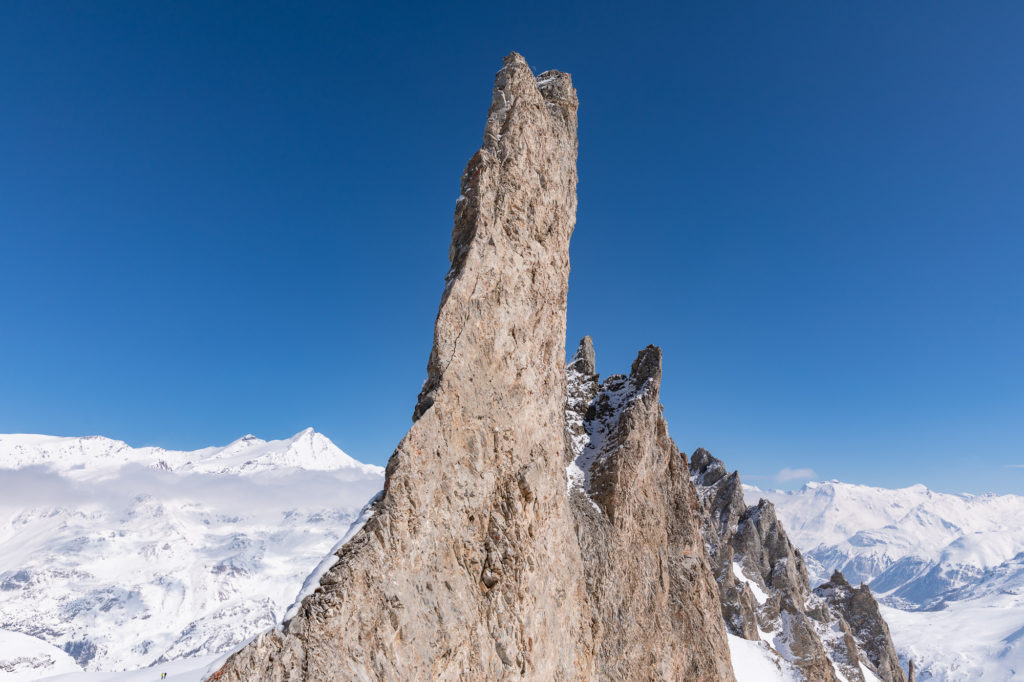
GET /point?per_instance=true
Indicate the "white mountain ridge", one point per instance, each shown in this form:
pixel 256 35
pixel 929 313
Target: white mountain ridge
pixel 947 568
pixel 123 557
pixel 87 456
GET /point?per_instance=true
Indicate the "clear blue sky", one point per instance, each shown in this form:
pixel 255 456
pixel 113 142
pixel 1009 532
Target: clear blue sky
pixel 221 218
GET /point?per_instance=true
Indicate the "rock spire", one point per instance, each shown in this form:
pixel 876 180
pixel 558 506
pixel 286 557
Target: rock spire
pixel 477 562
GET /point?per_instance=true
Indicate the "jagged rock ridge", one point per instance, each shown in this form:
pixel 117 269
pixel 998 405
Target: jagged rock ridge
pixel 638 524
pixel 765 594
pixel 478 563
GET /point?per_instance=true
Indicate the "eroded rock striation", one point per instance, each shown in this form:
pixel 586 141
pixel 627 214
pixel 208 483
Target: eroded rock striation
pixel 479 561
pixel 765 593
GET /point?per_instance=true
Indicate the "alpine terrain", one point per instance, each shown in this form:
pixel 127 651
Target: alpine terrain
pixel 115 558
pixel 833 632
pixel 536 522
pixel 948 569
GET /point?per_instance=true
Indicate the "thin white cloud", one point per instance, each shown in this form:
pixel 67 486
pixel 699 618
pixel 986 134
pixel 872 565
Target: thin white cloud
pixel 1015 466
pixel 787 474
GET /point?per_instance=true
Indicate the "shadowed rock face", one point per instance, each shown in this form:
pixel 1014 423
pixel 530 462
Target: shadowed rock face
pixel 765 594
pixel 477 564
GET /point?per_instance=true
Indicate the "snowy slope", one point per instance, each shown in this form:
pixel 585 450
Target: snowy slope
pixel 123 556
pixel 948 568
pixel 973 639
pixel 758 662
pixel 27 658
pixel 182 670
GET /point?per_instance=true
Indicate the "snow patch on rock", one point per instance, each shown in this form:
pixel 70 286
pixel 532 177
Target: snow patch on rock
pixel 758 662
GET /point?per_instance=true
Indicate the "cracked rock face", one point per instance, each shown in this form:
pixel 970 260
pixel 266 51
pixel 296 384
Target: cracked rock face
pixel 765 593
pixel 478 563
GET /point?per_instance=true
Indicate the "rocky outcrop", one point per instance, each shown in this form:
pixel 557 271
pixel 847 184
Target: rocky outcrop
pixel 582 384
pixel 479 563
pixel 858 608
pixel 765 593
pixel 646 568
pixel 761 577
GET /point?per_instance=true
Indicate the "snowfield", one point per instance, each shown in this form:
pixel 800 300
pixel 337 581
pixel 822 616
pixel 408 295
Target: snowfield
pixel 975 639
pixel 26 658
pixel 757 662
pixel 120 557
pixel 184 670
pixel 948 569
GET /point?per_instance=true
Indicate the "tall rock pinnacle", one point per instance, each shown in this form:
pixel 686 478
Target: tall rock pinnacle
pixel 474 565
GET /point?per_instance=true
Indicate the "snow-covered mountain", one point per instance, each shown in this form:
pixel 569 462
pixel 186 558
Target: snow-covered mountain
pixel 95 456
pixel 122 557
pixel 948 568
pixel 115 558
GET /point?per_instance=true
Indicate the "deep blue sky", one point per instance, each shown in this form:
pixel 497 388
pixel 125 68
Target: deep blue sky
pixel 226 218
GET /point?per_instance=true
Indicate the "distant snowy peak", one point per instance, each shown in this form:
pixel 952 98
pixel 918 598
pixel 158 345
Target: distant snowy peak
pixel 922 546
pixel 307 450
pixel 832 512
pixel 947 568
pixel 90 455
